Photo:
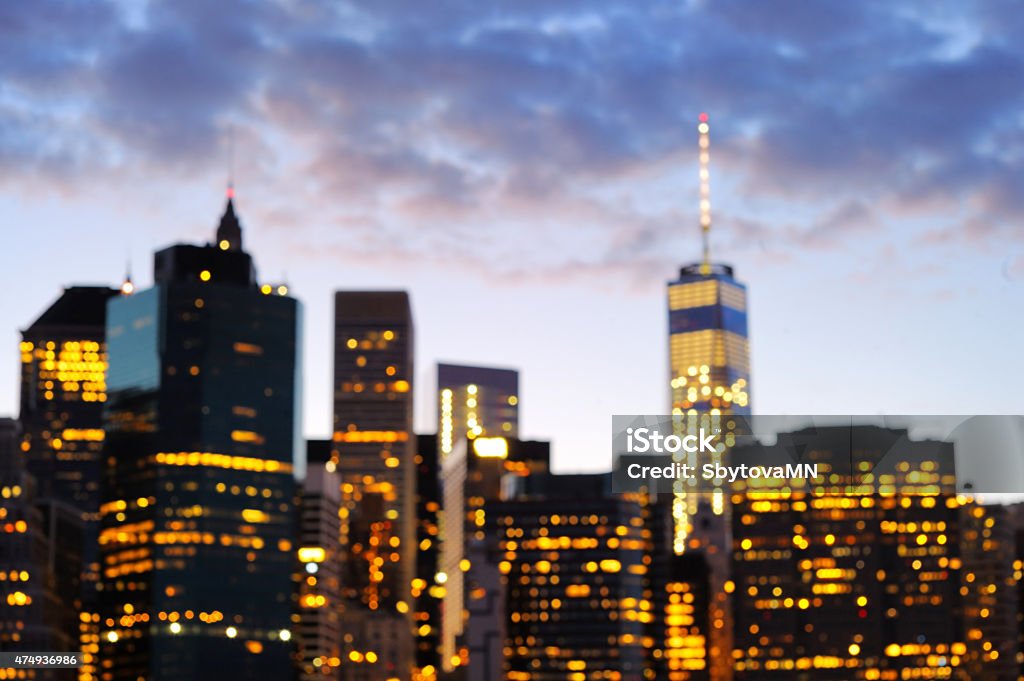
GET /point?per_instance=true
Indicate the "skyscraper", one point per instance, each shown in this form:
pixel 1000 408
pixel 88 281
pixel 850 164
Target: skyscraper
pixel 63 391
pixel 476 402
pixel 573 560
pixel 831 582
pixel 709 353
pixel 478 472
pixel 319 627
pixel 373 452
pixel 30 614
pixel 709 365
pixel 425 594
pixel 197 516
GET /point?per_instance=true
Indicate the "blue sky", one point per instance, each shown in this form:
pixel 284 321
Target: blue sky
pixel 528 171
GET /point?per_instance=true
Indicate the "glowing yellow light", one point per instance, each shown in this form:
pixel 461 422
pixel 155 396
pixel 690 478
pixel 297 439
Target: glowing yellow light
pixel 491 447
pixel 312 554
pixel 231 632
pixel 252 515
pixel 205 275
pixel 112 637
pixel 224 244
pixel 175 627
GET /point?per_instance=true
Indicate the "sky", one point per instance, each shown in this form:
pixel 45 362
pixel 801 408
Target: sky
pixel 528 171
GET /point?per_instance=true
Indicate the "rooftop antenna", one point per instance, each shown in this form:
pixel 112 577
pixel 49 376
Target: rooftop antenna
pixel 231 162
pixel 705 193
pixel 127 287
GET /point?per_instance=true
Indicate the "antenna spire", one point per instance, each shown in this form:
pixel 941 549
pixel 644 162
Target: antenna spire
pixel 705 192
pixel 127 287
pixel 231 162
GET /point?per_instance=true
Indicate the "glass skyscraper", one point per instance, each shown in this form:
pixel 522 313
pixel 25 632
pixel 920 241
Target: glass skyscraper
pixel 709 350
pixel 709 365
pixel 197 515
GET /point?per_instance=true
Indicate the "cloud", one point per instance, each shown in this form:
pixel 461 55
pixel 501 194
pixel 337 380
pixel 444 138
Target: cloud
pixel 556 137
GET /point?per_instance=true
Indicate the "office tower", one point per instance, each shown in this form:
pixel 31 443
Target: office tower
pixel 30 615
pixel 476 402
pixel 63 391
pixel 1016 519
pixel 426 595
pixel 682 600
pixel 319 632
pixel 373 452
pixel 574 561
pixel 990 591
pixel 477 472
pixel 197 518
pixel 709 365
pixel 831 582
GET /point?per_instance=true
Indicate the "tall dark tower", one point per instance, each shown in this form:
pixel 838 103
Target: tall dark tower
pixel 63 391
pixel 229 231
pixel 197 514
pixel 374 453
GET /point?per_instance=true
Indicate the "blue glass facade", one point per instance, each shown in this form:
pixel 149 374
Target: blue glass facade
pixel 197 515
pixel 709 352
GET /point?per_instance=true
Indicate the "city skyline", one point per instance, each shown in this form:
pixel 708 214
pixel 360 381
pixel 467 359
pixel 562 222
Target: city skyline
pixel 574 191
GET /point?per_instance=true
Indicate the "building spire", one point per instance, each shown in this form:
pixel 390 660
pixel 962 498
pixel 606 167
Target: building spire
pixel 705 193
pixel 127 287
pixel 229 231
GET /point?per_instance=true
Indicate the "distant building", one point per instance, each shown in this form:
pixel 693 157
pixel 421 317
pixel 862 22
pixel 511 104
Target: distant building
pixel 573 564
pixel 319 631
pixel 476 402
pixel 197 516
pixel 63 392
pixel 476 473
pixel 373 452
pixel 425 594
pixel 835 584
pixel 30 613
pixel 709 379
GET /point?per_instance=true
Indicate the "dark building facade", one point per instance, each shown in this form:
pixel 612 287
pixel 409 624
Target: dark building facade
pixel 63 392
pixel 31 615
pixel 837 581
pixel 374 452
pixel 478 472
pixel 319 595
pixel 197 516
pixel 574 561
pixel 425 595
